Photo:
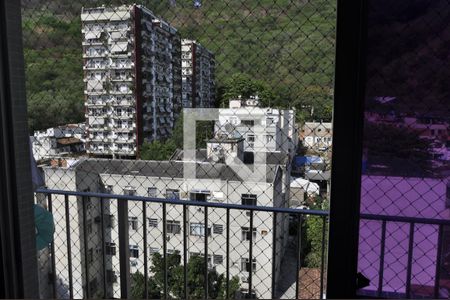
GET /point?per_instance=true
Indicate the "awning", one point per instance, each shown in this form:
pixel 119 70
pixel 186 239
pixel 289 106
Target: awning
pixel 308 186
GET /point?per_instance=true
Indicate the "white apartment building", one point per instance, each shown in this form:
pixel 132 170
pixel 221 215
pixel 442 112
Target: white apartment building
pixel 214 182
pixel 58 141
pixel 132 75
pixel 198 67
pixel 264 129
pixel 317 135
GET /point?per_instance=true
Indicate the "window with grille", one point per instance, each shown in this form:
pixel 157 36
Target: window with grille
pixel 173 194
pixel 133 223
pixel 217 228
pixel 245 234
pixel 152 192
pixel 198 229
pixel 245 265
pixel 110 248
pixel 91 255
pixel 153 250
pixel 248 199
pixel 173 227
pixel 134 251
pixel 218 259
pixel 152 222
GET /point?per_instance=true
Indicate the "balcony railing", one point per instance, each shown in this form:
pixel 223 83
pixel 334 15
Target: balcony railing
pixel 81 258
pixel 216 231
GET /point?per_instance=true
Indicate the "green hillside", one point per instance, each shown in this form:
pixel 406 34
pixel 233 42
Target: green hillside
pixel 285 46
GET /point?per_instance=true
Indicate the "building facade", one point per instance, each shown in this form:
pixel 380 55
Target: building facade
pixel 263 129
pixel 58 141
pixel 132 75
pixel 213 183
pixel 198 68
pixel 317 136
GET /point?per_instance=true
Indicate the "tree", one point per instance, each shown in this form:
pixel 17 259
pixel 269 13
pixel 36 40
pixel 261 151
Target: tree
pixel 138 287
pixel 157 150
pixel 175 279
pixel 240 84
pixel 315 238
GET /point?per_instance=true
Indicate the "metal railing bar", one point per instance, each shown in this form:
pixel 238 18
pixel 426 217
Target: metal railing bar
pixel 410 257
pixel 228 255
pixel 185 252
pixel 299 257
pixel 102 224
pixel 250 255
pixel 437 277
pixel 124 249
pixel 403 219
pixel 274 253
pixel 191 203
pixel 382 250
pixel 206 254
pixel 69 245
pixel 322 255
pixel 84 199
pixel 52 249
pixel 144 235
pixel 165 289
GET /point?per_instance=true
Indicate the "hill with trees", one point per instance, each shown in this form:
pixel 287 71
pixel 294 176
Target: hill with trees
pixel 282 49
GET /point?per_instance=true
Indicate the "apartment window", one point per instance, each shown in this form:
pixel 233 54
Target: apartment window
pixel 153 250
pixel 133 223
pixel 173 227
pixel 134 263
pixel 110 248
pixel 152 192
pixel 89 226
pixel 250 138
pixel 173 194
pixel 245 265
pixel 198 229
pixel 129 192
pixel 91 255
pixel 93 285
pixel 218 259
pixel 134 251
pixel 109 221
pixel 248 122
pixel 245 234
pixel 201 196
pixel 152 222
pixel 218 228
pixel 248 199
pixel 269 138
pixel 111 276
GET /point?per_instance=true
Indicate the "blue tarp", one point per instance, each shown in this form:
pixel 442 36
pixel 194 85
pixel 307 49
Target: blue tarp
pixel 307 160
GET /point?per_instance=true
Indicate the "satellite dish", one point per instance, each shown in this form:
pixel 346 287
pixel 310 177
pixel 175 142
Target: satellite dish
pixel 45 226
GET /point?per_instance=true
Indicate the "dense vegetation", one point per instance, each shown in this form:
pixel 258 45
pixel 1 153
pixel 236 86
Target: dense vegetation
pixel 175 280
pixel 283 48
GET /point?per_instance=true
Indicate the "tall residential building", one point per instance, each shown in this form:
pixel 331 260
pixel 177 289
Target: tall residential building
pixel 132 75
pixel 198 67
